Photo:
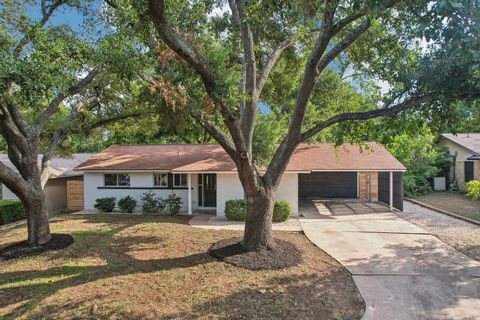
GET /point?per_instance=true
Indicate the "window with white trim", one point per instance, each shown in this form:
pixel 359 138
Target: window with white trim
pixel 180 180
pixel 116 179
pixel 160 180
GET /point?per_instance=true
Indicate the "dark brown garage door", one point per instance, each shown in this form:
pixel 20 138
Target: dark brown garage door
pixel 327 185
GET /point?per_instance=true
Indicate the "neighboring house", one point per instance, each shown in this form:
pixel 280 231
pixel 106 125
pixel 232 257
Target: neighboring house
pixel 465 151
pixel 204 176
pixel 56 187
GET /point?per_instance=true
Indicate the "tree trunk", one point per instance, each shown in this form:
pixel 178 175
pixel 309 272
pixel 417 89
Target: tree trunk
pixel 258 224
pixel 37 219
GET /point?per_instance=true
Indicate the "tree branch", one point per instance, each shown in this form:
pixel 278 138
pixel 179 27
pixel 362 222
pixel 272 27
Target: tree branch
pixel 342 45
pixel 46 14
pixel 365 115
pixel 12 179
pixel 181 46
pixel 76 88
pixel 248 113
pixel 217 134
pixel 311 73
pixel 272 60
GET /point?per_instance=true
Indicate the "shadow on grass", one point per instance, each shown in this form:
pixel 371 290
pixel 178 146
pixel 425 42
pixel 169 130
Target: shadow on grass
pixel 25 290
pixel 301 296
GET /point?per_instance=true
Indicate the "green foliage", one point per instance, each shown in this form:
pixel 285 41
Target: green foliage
pixel 11 211
pixel 473 189
pixel 127 204
pixel 281 211
pixel 151 203
pixel 236 209
pixel 173 203
pixel 268 131
pixel 419 155
pixel 106 204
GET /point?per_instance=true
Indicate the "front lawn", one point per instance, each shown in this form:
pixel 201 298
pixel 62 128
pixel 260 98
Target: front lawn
pixel 152 267
pixel 455 202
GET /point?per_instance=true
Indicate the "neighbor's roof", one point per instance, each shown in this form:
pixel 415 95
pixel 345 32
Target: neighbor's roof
pixel 60 167
pixel 212 158
pixel 471 141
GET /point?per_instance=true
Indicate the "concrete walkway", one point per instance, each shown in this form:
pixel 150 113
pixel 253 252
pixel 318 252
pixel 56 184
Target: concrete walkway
pixel 402 271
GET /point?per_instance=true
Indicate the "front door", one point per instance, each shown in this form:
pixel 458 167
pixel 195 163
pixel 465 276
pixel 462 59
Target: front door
pixel 210 190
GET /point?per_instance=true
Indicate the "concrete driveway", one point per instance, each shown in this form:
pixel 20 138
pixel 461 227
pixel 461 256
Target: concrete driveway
pixel 402 271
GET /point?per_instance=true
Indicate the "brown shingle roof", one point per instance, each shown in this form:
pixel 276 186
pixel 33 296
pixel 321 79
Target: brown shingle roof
pixel 471 141
pixel 325 157
pixel 59 167
pixel 212 158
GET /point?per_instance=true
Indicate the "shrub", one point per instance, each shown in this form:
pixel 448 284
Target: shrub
pixel 152 203
pixel 173 204
pixel 11 211
pixel 236 209
pixel 127 204
pixel 281 211
pixel 473 189
pixel 105 204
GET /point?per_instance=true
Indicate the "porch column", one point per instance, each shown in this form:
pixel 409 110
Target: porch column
pixel 391 190
pixel 189 186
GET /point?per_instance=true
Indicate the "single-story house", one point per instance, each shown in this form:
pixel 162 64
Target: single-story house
pixel 204 176
pixel 56 188
pixel 465 151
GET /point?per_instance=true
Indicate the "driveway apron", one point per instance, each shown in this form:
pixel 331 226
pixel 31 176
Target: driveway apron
pixel 402 271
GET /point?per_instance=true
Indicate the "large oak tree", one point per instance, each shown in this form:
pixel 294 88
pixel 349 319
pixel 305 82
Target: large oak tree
pixel 55 81
pixel 234 54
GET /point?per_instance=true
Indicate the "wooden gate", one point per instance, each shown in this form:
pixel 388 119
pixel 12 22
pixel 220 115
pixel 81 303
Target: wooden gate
pixel 75 195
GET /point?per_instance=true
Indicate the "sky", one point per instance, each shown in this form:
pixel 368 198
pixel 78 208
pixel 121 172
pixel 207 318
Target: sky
pixel 65 14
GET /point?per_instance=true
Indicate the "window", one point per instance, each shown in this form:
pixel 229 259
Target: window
pixel 468 167
pixel 160 180
pixel 117 179
pixel 180 180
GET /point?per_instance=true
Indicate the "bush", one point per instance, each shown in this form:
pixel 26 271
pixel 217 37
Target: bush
pixel 11 211
pixel 105 204
pixel 152 203
pixel 473 189
pixel 236 209
pixel 127 204
pixel 173 204
pixel 281 211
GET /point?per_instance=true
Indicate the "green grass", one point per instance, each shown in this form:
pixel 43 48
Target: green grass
pixel 158 267
pixel 455 202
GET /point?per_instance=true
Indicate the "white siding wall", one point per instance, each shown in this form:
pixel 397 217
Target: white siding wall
pixel 288 190
pixel 93 180
pixel 229 187
pixel 7 194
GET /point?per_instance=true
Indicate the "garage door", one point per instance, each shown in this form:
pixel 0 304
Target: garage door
pixel 327 185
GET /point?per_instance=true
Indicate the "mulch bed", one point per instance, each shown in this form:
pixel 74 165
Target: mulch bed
pixel 23 249
pixel 283 255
